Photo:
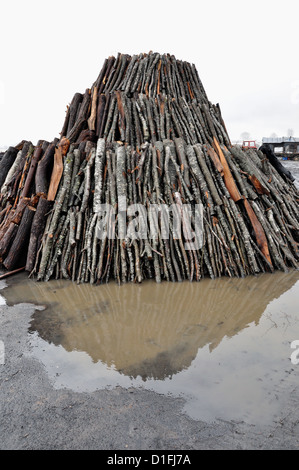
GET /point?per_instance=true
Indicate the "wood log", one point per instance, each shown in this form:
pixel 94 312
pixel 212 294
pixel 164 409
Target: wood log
pixel 23 177
pixel 37 229
pixel 93 114
pixel 60 152
pixel 18 170
pixel 259 232
pixel 44 170
pixel 66 122
pixel 17 214
pixel 11 273
pixel 6 163
pixel 85 107
pixel 18 251
pixel 101 75
pixel 73 108
pixel 37 155
pixel 78 127
pixel 108 69
pixel 11 173
pixel 228 178
pixel 20 145
pixel 100 113
pixel 7 239
pixel 86 136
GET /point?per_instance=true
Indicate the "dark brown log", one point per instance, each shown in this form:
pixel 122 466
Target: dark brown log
pixel 66 122
pixel 37 155
pixel 7 239
pixel 18 251
pixel 14 183
pixel 10 273
pixel 38 225
pixel 105 114
pixel 86 135
pixel 77 99
pixel 45 145
pixel 20 145
pixel 17 215
pixel 113 73
pixel 6 162
pixel 44 169
pixel 103 83
pixel 120 74
pixel 100 113
pixel 85 106
pixel 4 212
pixel 100 78
pixel 76 130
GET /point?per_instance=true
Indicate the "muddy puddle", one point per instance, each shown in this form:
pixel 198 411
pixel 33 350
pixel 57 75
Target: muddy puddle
pixel 224 345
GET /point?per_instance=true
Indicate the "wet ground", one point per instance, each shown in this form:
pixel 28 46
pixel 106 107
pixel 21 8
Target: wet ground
pixel 204 365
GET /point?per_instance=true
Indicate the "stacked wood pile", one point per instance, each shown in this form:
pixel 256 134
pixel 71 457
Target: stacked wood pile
pixel 145 131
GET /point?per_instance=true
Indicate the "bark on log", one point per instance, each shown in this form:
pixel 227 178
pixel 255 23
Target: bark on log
pixel 37 154
pixel 228 178
pixel 7 238
pixel 12 172
pixel 18 213
pixel 93 114
pixel 18 251
pixel 44 169
pixel 60 152
pixel 19 169
pixel 6 163
pixel 11 273
pixel 38 226
pixel 77 99
pixel 259 232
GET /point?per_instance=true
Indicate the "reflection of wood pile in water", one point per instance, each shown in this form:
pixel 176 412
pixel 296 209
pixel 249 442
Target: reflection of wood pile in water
pixel 153 331
pixel 147 133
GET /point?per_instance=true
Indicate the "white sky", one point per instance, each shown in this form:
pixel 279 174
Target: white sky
pixel 246 54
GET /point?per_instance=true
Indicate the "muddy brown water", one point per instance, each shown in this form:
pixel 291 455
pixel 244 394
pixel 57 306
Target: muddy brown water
pixel 222 344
